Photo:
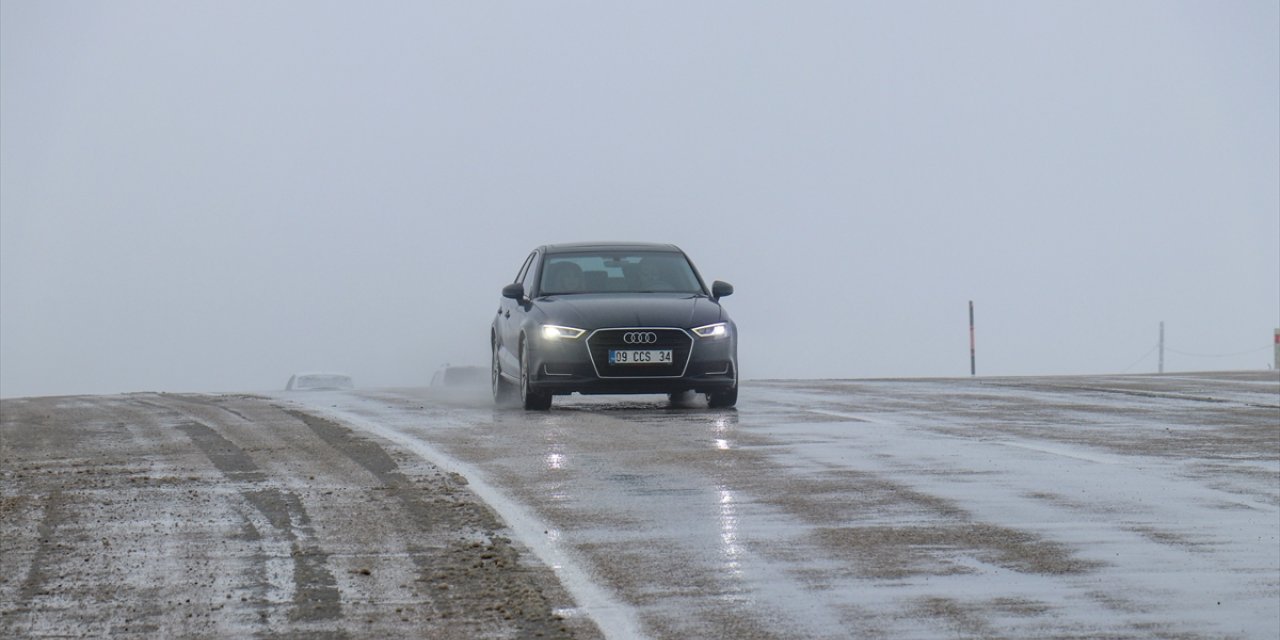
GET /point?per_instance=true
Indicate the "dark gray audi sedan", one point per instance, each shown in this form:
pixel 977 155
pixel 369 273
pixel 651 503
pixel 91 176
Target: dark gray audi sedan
pixel 605 318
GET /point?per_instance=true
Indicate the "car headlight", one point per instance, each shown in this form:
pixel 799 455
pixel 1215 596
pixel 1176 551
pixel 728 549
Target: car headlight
pixel 717 330
pixel 553 332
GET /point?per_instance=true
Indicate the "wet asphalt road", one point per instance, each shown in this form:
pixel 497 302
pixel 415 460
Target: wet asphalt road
pixel 1072 507
pixel 1144 507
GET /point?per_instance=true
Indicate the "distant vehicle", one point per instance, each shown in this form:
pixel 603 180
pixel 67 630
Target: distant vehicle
pixel 612 318
pixel 450 376
pixel 319 382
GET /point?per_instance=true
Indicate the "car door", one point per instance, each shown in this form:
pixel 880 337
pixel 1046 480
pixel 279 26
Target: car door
pixel 510 316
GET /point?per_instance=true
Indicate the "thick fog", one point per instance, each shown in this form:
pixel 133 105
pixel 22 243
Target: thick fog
pixel 210 196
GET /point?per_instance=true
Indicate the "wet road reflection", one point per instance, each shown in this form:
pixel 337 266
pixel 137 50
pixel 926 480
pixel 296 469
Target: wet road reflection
pixel 895 508
pixel 729 532
pixel 555 461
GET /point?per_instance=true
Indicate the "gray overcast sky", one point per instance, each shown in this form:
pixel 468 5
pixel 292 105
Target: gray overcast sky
pixel 210 196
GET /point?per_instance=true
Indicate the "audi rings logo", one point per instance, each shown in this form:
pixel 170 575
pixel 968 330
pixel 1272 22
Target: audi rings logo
pixel 640 337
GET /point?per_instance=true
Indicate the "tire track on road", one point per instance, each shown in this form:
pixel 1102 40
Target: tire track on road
pixel 315 595
pixel 489 562
pixel 47 534
pixel 474 574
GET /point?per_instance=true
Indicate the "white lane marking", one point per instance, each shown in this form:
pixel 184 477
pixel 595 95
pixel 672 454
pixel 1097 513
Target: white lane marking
pixel 847 416
pixel 1066 453
pixel 615 619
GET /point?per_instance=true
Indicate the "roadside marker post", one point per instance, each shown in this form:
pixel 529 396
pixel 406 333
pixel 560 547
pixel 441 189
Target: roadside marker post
pixel 973 347
pixel 1161 369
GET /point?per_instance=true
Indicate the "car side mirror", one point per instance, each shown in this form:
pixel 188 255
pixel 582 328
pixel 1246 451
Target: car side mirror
pixel 720 289
pixel 515 291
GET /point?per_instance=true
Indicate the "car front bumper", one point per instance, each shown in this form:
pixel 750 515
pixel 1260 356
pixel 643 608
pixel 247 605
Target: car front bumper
pixel 703 365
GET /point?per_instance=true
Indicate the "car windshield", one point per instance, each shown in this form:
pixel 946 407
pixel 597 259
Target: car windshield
pixel 613 272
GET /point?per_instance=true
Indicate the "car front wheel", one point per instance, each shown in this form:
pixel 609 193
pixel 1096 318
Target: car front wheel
pixel 726 398
pixel 723 399
pixel 503 393
pixel 532 400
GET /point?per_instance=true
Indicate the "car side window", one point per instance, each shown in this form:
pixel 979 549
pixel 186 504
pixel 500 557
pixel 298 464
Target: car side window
pixel 526 273
pixel 524 268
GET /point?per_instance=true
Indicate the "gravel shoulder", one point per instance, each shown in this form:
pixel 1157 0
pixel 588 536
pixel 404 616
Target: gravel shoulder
pixel 148 515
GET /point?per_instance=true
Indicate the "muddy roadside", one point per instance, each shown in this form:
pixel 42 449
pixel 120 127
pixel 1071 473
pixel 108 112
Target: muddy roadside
pixel 148 515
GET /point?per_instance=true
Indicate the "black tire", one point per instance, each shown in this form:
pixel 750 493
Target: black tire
pixel 727 398
pixel 723 399
pixel 532 400
pixel 504 392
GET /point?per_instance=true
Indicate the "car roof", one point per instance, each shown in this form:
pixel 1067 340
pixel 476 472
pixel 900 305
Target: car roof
pixel 574 247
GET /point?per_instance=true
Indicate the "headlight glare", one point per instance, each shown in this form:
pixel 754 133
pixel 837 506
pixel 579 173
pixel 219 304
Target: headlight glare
pixel 717 330
pixel 554 332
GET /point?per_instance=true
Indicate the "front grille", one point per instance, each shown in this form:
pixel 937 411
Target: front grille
pixel 601 341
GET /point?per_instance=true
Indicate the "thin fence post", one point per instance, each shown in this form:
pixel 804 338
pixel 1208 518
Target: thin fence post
pixel 973 347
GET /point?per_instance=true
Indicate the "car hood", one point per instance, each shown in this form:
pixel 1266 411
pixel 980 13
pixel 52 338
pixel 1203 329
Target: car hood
pixel 593 311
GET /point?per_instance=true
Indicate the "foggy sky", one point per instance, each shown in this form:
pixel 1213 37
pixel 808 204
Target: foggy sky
pixel 210 196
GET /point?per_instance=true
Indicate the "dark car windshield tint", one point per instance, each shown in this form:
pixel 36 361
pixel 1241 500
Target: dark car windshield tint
pixel 630 272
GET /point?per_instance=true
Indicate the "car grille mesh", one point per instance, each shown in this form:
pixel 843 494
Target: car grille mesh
pixel 602 341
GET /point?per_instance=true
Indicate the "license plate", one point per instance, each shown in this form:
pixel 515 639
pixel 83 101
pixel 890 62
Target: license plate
pixel 639 356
